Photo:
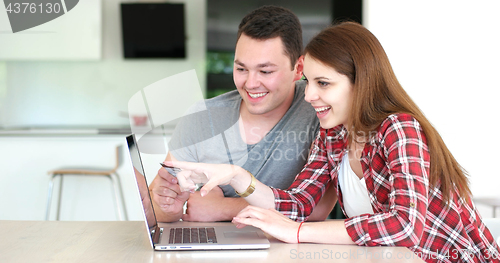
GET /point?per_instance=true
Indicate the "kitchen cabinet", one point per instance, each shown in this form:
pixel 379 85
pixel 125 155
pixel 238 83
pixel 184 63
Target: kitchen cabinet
pixel 74 35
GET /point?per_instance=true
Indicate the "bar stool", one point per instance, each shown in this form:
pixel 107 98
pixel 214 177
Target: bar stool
pixel 110 173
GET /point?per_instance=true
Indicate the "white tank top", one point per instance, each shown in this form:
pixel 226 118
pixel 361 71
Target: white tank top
pixel 354 193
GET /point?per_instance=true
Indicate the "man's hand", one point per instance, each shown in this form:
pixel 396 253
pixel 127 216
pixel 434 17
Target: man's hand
pixel 207 208
pixel 168 199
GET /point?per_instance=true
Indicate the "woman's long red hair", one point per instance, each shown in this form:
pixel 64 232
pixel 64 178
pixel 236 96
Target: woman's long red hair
pixel 354 51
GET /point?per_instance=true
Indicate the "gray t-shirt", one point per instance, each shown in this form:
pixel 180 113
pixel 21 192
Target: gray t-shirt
pixel 209 133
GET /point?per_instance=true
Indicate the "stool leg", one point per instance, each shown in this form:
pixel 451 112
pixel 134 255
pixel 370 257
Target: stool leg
pixel 117 208
pixel 49 197
pixel 118 195
pixel 122 198
pixel 59 197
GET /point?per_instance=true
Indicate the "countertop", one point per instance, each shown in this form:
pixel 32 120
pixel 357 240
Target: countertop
pixel 127 241
pixel 69 130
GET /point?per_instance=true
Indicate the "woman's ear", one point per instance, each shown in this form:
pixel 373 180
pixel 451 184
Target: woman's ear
pixel 299 68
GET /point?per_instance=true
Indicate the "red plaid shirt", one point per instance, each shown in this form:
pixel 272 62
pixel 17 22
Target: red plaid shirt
pixel 406 211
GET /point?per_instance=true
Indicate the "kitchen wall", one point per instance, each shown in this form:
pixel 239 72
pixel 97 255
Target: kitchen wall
pixel 46 93
pixel 445 54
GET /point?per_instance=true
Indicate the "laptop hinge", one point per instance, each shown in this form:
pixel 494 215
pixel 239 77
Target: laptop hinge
pixel 156 234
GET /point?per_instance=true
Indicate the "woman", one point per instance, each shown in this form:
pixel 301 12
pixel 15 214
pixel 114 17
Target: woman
pixel 394 177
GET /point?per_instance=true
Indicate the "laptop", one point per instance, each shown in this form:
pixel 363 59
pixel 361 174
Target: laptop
pixel 183 235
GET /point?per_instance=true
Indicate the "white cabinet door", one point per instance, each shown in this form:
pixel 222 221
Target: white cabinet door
pixel 74 35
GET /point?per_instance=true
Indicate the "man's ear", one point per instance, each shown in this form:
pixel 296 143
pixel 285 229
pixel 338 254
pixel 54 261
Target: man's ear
pixel 299 67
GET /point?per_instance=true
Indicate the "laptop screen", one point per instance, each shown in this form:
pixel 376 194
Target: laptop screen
pixel 142 185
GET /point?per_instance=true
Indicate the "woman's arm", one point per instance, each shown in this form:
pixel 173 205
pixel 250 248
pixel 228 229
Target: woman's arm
pixel 262 196
pixel 297 202
pixel 286 230
pixel 325 205
pixel 222 174
pixel 326 232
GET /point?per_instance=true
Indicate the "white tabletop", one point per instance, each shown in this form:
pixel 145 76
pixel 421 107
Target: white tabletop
pixel 69 241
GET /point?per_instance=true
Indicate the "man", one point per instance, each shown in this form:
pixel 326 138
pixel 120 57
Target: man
pixel 265 126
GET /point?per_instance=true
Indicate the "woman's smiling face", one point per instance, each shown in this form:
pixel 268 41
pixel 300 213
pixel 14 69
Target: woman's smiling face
pixel 329 92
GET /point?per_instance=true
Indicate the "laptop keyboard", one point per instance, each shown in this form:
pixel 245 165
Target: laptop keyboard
pixel 192 235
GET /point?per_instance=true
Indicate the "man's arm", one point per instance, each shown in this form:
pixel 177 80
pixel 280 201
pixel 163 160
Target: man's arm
pixel 168 199
pixel 213 207
pixel 202 208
